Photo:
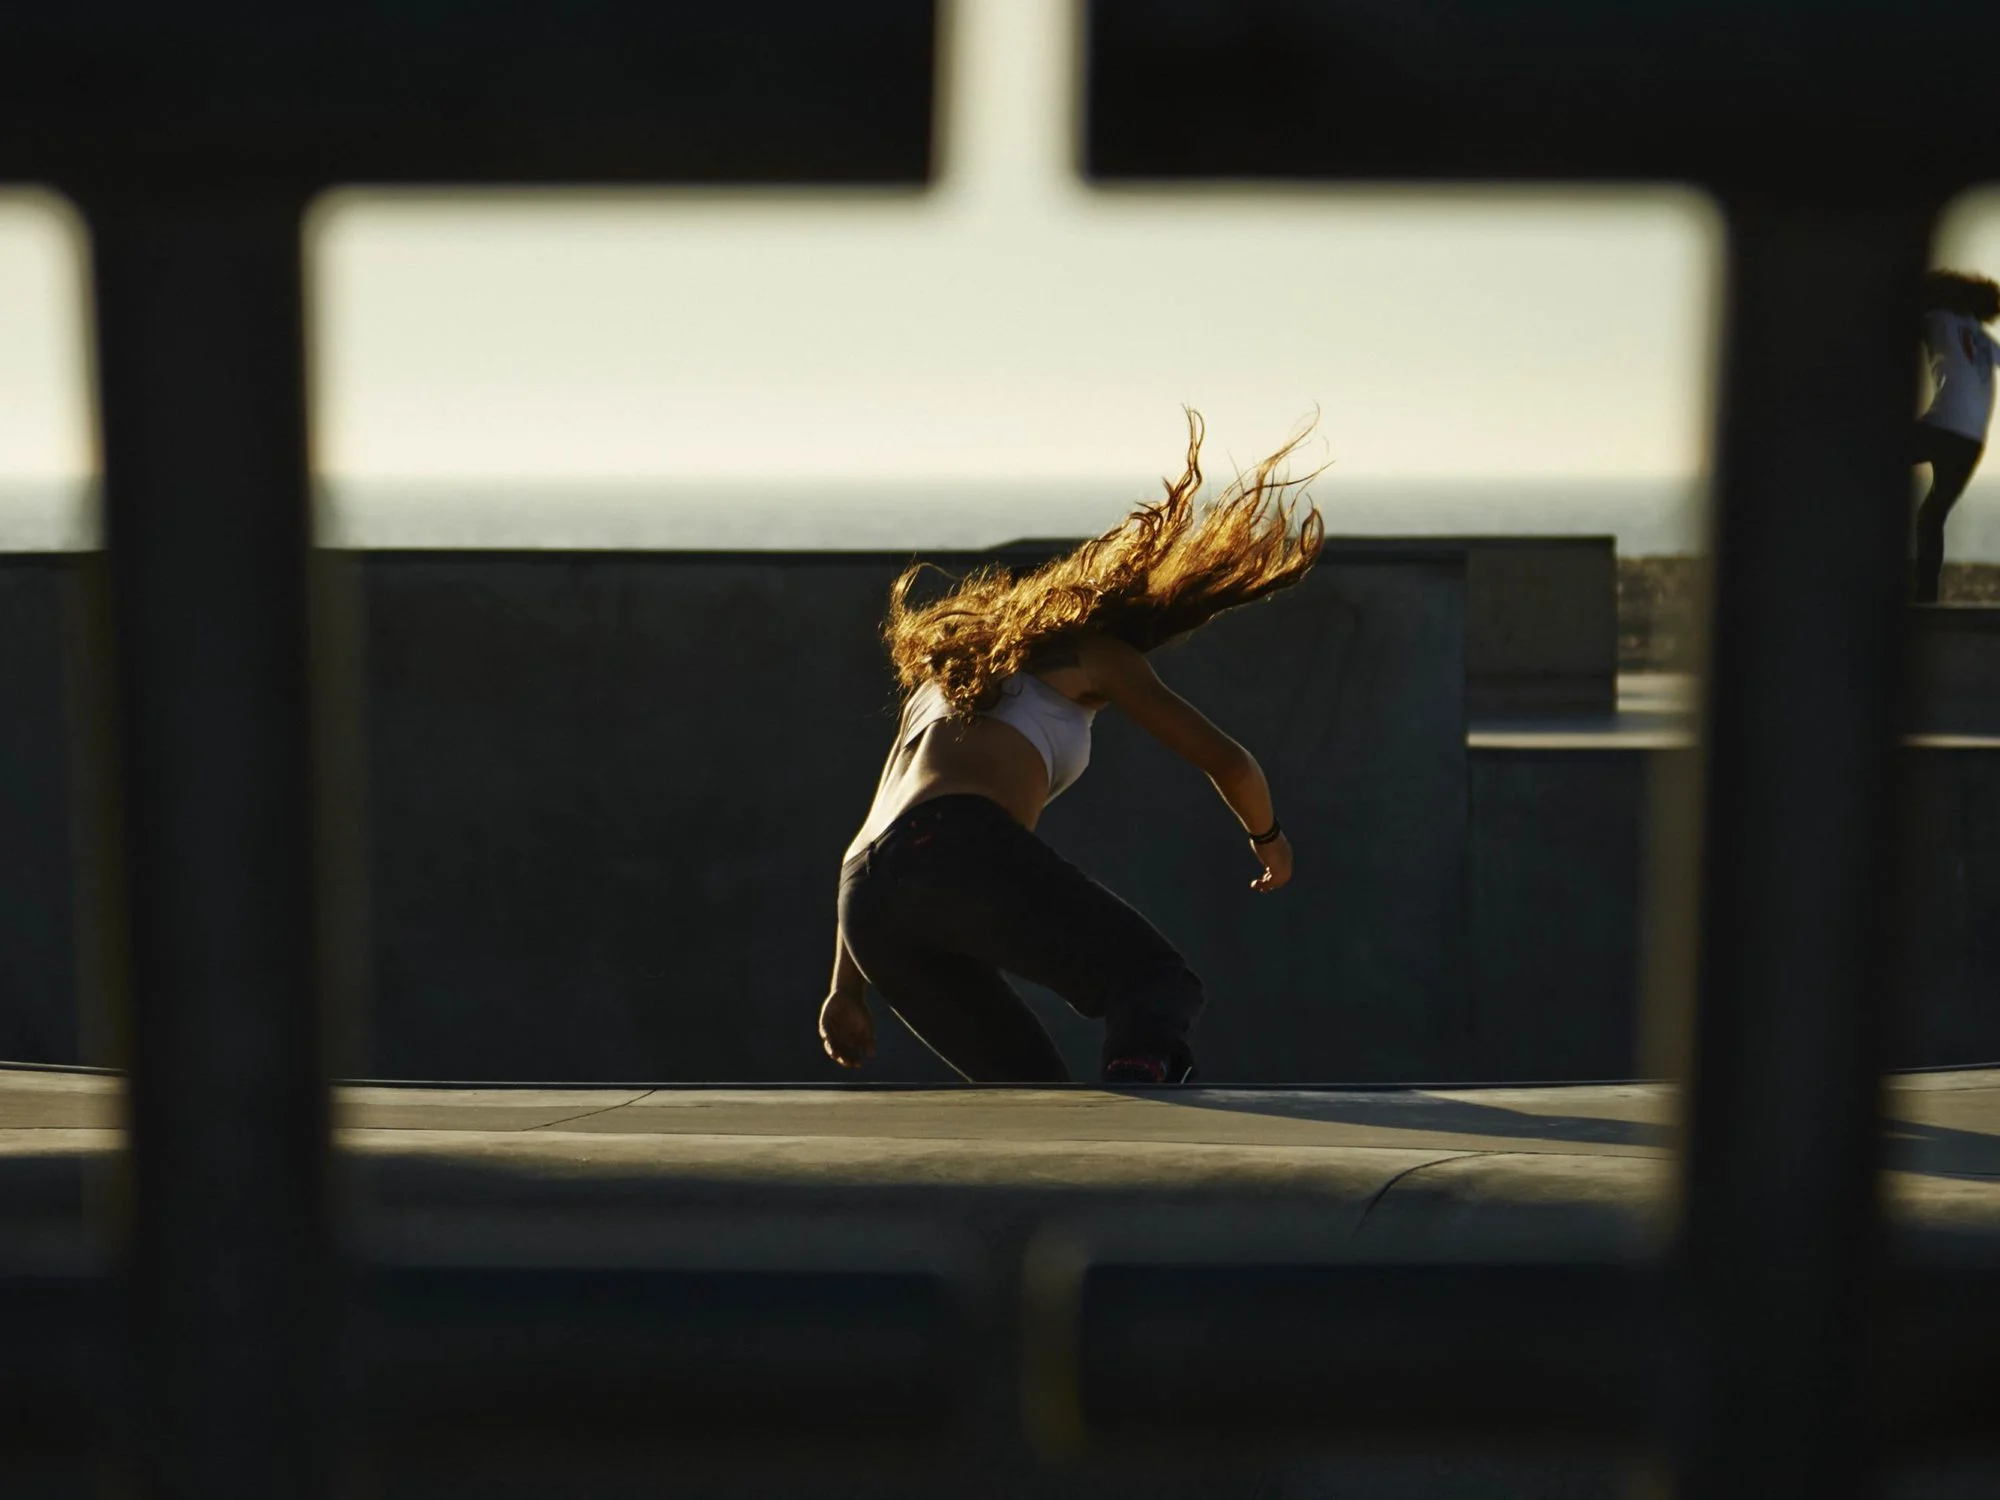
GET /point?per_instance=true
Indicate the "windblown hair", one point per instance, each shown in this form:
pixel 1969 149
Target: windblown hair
pixel 1954 291
pixel 1167 569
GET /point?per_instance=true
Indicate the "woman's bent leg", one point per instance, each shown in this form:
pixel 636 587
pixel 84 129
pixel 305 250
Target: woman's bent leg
pixel 1035 914
pixel 957 891
pixel 967 1013
pixel 961 1008
pixel 1952 460
pixel 1930 540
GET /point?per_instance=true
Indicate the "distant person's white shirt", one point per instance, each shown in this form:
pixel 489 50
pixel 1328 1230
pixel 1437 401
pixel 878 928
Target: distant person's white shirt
pixel 1960 355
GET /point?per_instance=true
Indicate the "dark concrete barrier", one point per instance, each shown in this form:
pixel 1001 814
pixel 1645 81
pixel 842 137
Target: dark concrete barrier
pixel 1955 669
pixel 1559 848
pixel 1949 922
pixel 38 971
pixel 1350 690
pixel 1555 864
pixel 605 796
pixel 608 793
pixel 1541 629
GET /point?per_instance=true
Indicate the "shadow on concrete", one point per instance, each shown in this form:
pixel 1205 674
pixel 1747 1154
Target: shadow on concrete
pixel 1942 1150
pixel 1428 1113
pixel 1912 1146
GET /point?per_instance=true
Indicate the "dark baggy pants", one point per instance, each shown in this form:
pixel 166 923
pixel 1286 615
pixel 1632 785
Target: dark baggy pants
pixel 1952 459
pixel 956 891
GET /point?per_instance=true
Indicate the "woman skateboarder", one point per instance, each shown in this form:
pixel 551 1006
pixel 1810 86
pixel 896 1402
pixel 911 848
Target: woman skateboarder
pixel 1951 434
pixel 946 884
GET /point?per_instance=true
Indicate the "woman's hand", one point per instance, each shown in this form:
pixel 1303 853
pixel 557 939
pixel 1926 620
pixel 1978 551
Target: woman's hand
pixel 1276 858
pixel 846 1028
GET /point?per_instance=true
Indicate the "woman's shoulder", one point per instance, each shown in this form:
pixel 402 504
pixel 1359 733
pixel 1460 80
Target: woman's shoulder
pixel 1052 654
pixel 924 702
pixel 1096 664
pixel 1096 651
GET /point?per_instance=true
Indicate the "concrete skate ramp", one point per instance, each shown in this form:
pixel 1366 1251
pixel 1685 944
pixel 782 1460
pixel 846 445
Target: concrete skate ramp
pixel 1575 1170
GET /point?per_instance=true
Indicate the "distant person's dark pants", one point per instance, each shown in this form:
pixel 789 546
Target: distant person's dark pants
pixel 1952 459
pixel 956 891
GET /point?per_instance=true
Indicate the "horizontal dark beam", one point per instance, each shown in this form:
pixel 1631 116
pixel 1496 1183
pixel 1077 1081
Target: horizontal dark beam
pixel 448 1356
pixel 1939 1384
pixel 548 1358
pixel 1781 92
pixel 1217 1354
pixel 545 1359
pixel 61 1361
pixel 321 91
pixel 1204 1356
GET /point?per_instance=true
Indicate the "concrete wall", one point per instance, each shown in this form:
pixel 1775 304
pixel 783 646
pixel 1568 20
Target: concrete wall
pixel 1955 669
pixel 1541 625
pixel 1350 690
pixel 607 797
pixel 1559 846
pixel 1950 918
pixel 38 977
pixel 1555 862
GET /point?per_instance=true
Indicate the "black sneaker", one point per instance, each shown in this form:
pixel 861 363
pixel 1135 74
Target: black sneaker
pixel 1128 1070
pixel 1144 1068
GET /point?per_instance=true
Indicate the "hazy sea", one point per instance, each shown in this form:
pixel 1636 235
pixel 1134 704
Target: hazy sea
pixel 1647 517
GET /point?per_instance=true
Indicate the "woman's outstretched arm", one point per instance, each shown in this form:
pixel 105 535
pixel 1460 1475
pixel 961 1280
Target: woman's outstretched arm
pixel 847 976
pixel 1124 676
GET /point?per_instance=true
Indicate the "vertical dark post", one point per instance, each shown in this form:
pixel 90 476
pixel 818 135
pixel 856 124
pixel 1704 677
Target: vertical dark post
pixel 1781 1235
pixel 200 363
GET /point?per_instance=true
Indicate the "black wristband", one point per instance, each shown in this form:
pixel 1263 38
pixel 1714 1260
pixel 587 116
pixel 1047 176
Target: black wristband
pixel 1268 834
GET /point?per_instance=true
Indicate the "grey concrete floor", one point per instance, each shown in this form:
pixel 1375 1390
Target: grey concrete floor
pixel 1456 1171
pixel 980 1178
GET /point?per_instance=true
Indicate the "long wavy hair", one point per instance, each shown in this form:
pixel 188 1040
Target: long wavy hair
pixel 1169 568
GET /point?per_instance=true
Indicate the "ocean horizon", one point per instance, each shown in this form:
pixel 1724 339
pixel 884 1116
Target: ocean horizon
pixel 1647 517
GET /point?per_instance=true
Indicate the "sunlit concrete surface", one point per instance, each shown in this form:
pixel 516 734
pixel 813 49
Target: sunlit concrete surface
pixel 984 1186
pixel 1657 710
pixel 1455 1172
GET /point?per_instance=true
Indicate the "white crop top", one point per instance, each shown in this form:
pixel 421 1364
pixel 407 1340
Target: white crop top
pixel 1058 728
pixel 1960 356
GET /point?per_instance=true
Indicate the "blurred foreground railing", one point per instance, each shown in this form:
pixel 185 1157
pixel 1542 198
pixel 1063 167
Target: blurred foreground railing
pixel 1774 1355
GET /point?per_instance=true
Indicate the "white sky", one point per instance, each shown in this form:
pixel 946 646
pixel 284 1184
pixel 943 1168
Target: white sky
pixel 1010 324
pixel 45 431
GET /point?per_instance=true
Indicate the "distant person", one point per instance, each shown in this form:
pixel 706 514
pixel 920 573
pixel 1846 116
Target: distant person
pixel 1951 434
pixel 946 884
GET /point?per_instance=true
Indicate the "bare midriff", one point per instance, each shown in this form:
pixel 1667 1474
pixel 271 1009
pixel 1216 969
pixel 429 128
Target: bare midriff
pixel 980 757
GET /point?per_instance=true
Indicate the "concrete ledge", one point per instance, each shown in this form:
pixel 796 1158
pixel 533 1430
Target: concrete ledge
pixel 1562 830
